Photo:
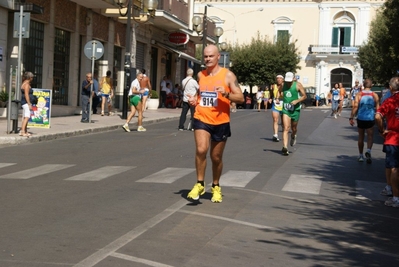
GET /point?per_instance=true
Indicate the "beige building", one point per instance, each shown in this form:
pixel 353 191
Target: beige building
pixel 328 33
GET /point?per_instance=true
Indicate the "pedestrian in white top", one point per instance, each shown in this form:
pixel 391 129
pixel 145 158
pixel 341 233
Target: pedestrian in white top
pixel 135 94
pixel 190 87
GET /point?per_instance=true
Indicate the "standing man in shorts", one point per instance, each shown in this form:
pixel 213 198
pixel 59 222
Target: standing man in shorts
pixel 291 109
pixel 366 102
pixel 217 87
pixel 135 94
pixel 390 111
pixel 277 105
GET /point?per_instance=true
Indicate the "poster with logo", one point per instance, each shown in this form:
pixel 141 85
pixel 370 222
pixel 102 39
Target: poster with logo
pixel 41 111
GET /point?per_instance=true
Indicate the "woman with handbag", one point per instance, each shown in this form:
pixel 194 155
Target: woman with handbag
pixel 26 102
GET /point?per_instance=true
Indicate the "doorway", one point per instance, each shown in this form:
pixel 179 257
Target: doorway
pixel 341 75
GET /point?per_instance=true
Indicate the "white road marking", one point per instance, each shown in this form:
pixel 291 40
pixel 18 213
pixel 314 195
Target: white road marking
pixel 139 260
pixel 2 165
pixel 37 171
pixel 130 236
pixel 101 173
pixel 167 176
pixel 309 184
pixel 312 235
pixel 237 178
pixel 366 190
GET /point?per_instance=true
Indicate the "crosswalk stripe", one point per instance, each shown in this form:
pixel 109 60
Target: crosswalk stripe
pixel 309 184
pixel 237 178
pixel 167 176
pixel 37 171
pixel 366 190
pixel 2 165
pixel 101 173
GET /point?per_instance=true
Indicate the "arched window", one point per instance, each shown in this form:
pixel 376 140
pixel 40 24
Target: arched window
pixel 282 28
pixel 343 29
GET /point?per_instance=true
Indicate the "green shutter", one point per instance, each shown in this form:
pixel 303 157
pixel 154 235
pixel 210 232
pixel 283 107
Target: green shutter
pixel 283 35
pixel 347 36
pixel 335 34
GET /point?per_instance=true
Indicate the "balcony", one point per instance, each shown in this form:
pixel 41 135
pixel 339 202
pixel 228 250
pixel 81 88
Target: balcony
pixel 324 50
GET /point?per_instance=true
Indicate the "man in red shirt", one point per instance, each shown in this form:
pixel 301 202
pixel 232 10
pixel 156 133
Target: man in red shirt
pixel 390 111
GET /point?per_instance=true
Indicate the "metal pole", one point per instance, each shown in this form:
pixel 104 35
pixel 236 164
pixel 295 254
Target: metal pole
pixel 204 35
pixel 9 102
pixel 18 85
pixel 93 57
pixel 127 61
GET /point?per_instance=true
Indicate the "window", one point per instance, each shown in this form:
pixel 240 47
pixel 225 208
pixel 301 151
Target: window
pixel 341 36
pixel 33 53
pixel 61 67
pixel 342 30
pixel 283 35
pixel 140 49
pixel 282 28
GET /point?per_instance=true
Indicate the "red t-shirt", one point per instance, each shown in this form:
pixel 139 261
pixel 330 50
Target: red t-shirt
pixel 390 110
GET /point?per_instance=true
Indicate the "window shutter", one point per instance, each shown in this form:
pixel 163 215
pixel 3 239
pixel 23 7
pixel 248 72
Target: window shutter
pixel 347 36
pixel 335 34
pixel 140 48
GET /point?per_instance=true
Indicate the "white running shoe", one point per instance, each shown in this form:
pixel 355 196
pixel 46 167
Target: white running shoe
pixel 141 129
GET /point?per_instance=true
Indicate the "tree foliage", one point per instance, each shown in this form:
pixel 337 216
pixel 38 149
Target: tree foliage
pixel 379 55
pixel 258 62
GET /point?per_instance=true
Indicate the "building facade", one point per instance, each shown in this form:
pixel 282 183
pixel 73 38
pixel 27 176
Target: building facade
pixel 55 48
pixel 327 33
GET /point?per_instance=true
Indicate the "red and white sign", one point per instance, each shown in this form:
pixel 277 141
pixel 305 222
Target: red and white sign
pixel 178 38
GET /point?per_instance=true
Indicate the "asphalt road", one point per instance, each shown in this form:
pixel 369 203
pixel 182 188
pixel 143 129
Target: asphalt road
pixel 118 199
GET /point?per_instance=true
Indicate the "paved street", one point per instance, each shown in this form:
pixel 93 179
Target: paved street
pixel 118 199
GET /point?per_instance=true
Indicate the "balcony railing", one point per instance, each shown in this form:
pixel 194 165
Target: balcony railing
pixel 330 49
pixel 176 8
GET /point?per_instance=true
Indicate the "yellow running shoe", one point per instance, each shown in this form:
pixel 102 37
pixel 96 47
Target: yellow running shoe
pixel 196 192
pixel 216 194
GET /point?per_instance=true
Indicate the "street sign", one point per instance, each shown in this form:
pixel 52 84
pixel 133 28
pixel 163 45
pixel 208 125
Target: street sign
pixel 224 60
pixel 24 27
pixel 94 50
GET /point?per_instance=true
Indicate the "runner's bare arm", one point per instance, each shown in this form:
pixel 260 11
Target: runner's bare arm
pixel 235 95
pixel 301 90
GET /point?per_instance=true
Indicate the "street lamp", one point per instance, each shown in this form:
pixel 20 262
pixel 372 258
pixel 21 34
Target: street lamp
pixel 147 8
pixel 235 17
pixel 200 25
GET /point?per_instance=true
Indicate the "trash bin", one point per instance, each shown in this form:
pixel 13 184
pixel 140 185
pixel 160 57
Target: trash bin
pixel 14 109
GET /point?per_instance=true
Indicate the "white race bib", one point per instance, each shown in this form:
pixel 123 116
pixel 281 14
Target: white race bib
pixel 209 99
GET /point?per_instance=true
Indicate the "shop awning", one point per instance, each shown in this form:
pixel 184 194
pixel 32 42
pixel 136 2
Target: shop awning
pixel 180 53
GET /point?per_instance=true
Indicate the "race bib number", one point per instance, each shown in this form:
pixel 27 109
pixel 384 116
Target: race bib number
pixel 277 103
pixel 336 97
pixel 288 106
pixel 209 99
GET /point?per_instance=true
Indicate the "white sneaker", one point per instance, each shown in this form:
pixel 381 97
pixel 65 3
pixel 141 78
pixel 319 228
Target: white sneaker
pixel 335 116
pixel 141 129
pixel 126 127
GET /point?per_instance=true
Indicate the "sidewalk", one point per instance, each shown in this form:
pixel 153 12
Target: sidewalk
pixel 67 126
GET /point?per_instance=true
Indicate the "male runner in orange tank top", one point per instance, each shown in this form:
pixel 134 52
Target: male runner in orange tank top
pixel 217 87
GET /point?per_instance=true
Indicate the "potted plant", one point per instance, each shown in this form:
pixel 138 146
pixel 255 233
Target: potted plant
pixel 3 99
pixel 153 101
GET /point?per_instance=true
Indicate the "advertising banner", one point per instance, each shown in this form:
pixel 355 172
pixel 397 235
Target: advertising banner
pixel 41 111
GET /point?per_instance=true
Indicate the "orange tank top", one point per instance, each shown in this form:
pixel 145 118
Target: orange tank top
pixel 212 108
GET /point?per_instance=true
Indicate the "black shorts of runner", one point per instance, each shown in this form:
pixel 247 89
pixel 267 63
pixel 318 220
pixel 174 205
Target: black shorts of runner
pixel 391 156
pixel 365 124
pixel 218 133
